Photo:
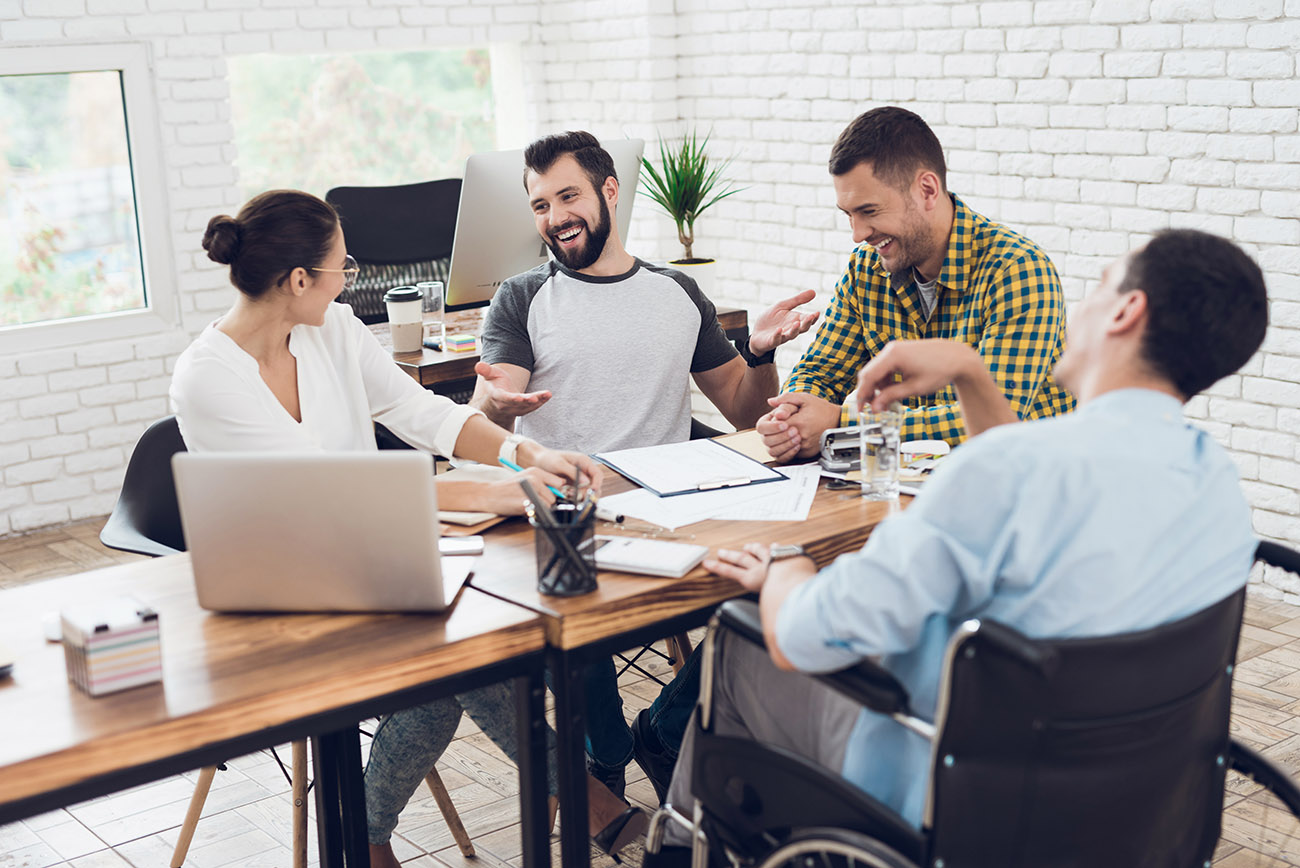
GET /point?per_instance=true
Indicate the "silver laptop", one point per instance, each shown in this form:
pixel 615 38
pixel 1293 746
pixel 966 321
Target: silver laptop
pixel 495 234
pixel 330 531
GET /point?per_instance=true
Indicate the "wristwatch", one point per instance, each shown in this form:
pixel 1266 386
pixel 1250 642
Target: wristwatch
pixel 510 447
pixel 781 552
pixel 754 361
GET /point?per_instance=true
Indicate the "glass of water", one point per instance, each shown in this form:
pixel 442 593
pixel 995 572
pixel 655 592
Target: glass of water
pixel 435 327
pixel 878 442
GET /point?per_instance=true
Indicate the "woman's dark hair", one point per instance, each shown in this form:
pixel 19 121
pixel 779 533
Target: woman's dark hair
pixel 274 233
pixel 896 142
pixel 1207 307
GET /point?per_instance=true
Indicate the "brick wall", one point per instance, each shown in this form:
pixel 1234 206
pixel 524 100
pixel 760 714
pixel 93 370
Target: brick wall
pixel 1087 125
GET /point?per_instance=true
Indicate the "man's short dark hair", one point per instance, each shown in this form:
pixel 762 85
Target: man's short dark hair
pixel 586 149
pixel 896 142
pixel 1207 307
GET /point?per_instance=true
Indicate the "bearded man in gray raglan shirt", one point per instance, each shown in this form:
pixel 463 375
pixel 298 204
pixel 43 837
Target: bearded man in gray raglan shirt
pixel 609 344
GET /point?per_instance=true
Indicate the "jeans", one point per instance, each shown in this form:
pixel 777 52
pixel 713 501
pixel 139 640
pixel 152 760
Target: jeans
pixel 609 740
pixel 671 711
pixel 409 742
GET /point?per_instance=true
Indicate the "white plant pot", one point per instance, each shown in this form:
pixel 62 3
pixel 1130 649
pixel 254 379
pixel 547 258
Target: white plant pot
pixel 702 271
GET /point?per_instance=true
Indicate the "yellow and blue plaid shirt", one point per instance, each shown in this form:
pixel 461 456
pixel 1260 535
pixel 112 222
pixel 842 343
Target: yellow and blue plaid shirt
pixel 997 292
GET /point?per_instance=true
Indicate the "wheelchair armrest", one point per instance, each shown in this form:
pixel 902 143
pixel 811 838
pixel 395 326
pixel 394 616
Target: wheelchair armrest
pixel 1018 646
pixel 1278 555
pixel 866 682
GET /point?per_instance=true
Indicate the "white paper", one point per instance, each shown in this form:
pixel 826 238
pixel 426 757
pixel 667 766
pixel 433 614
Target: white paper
pixel 771 501
pixel 676 467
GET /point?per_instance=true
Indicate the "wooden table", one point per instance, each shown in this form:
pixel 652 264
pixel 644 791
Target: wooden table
pixel 446 372
pixel 237 683
pixel 628 610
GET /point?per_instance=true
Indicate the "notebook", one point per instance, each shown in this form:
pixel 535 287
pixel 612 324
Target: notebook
pixel 629 554
pixel 329 531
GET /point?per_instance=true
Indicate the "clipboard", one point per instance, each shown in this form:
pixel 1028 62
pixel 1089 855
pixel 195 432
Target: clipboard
pixel 688 467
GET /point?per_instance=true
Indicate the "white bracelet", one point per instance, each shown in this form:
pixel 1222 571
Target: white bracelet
pixel 510 448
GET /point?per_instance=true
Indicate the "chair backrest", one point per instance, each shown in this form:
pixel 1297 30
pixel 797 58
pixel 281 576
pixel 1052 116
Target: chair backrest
pixel 399 235
pixel 1108 751
pixel 146 518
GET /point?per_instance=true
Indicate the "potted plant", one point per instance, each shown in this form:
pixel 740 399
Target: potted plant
pixel 684 188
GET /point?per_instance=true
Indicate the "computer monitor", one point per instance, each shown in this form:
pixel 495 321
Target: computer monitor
pixel 495 234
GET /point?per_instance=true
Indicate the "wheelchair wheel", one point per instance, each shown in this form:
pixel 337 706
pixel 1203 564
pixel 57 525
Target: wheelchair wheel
pixel 1261 806
pixel 833 848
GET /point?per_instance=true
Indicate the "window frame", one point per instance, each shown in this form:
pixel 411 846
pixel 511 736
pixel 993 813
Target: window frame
pixel 162 310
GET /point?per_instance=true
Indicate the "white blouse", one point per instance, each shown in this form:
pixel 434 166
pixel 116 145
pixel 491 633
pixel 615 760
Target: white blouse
pixel 346 381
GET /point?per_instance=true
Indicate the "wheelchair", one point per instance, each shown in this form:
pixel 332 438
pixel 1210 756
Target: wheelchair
pixel 1111 751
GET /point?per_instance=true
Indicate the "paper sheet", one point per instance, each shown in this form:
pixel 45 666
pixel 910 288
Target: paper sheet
pixel 771 501
pixel 673 468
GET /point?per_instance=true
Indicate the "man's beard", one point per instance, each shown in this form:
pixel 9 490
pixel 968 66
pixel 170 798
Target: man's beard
pixel 585 256
pixel 914 246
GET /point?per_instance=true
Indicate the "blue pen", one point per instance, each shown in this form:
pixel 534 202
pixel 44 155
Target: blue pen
pixel 518 469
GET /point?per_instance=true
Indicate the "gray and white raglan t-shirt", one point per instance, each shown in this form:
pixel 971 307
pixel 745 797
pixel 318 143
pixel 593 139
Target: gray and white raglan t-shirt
pixel 615 352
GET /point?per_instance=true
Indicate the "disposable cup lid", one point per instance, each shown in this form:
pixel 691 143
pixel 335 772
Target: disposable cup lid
pixel 402 293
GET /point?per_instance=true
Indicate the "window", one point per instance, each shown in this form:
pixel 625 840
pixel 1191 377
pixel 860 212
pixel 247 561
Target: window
pixel 371 119
pixel 76 138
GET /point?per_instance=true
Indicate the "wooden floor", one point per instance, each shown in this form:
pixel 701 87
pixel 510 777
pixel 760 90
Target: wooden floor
pixel 247 819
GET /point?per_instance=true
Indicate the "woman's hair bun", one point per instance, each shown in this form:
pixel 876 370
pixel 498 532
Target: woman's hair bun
pixel 222 238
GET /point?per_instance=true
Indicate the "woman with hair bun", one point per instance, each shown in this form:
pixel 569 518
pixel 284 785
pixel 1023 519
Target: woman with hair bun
pixel 288 369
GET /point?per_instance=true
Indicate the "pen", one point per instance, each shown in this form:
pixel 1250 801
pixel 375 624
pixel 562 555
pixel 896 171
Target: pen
pixel 724 483
pixel 606 514
pixel 518 469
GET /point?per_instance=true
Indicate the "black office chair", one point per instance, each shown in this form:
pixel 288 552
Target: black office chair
pixel 398 235
pixel 146 518
pixel 1077 752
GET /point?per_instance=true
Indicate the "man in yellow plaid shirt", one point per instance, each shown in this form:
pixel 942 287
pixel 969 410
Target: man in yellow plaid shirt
pixel 926 266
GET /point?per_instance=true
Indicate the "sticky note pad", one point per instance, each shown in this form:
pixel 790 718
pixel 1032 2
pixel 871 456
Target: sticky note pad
pixel 460 343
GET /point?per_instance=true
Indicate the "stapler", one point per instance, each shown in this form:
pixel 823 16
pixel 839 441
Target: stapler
pixel 841 450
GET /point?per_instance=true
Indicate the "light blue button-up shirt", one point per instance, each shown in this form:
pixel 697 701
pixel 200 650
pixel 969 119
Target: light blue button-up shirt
pixel 1118 517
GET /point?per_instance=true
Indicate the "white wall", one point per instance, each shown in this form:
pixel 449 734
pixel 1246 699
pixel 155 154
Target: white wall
pixel 1087 125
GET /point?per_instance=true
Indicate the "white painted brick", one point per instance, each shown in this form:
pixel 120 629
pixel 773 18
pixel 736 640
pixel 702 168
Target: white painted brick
pixel 1217 92
pixel 1280 205
pixel 1208 119
pixel 1131 64
pixel 1090 38
pixel 1267 230
pixel 1156 36
pixel 1218 34
pixel 1161 91
pixel 1277 93
pixel 46 405
pixel 30 518
pixel 1274 34
pixel 1227 200
pixel 1260 64
pixel 1270 497
pixel 1099 90
pixel 64 444
pixel 84 420
pixel 87 461
pixel 1247 464
pixel 1241 413
pixel 1266 391
pixel 1181 10
pixel 32 471
pixel 1266 176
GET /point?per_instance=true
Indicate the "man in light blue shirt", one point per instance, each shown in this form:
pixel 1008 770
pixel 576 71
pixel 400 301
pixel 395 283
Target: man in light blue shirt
pixel 1118 517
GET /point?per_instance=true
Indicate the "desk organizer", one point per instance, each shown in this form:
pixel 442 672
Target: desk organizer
pixel 110 645
pixel 566 551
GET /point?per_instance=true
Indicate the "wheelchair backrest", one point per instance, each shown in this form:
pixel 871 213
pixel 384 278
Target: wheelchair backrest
pixel 1108 751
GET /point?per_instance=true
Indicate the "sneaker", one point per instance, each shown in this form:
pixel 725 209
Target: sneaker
pixel 650 754
pixel 614 779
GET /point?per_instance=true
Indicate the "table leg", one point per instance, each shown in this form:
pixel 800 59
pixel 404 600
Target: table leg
pixel 571 734
pixel 340 799
pixel 530 705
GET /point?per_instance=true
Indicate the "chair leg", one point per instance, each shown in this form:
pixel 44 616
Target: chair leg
pixel 449 813
pixel 192 815
pixel 300 804
pixel 679 647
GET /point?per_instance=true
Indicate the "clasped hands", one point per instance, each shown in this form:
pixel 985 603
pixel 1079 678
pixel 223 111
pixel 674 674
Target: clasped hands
pixel 793 428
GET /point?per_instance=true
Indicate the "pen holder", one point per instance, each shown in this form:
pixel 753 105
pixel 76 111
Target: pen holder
pixel 566 555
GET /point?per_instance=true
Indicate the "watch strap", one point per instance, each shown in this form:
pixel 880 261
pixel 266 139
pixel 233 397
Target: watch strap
pixel 768 358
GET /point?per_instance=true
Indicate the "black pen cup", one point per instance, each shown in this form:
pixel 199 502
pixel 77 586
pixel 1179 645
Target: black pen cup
pixel 566 553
